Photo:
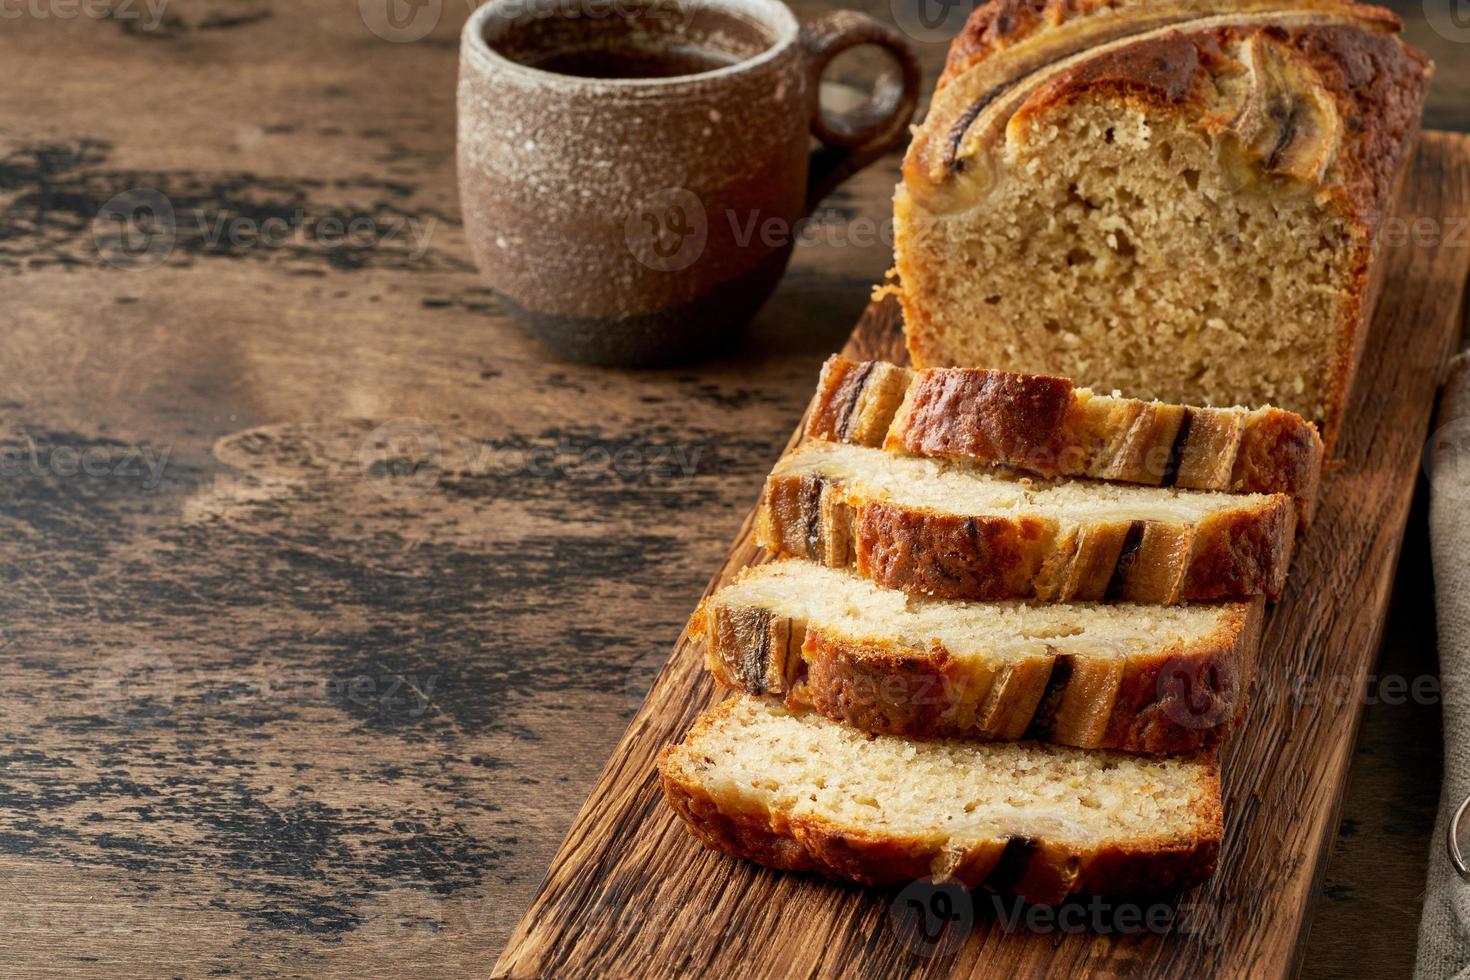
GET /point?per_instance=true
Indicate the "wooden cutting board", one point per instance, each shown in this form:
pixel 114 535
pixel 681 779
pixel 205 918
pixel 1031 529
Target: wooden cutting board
pixel 631 893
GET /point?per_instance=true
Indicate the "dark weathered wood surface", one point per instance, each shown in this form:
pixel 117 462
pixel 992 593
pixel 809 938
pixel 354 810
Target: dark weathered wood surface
pixel 630 892
pixel 268 709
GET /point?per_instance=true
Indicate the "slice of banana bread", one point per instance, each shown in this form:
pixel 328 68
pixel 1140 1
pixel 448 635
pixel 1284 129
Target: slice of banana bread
pixel 795 791
pixel 1114 676
pixel 1177 199
pixel 1044 425
pixel 959 530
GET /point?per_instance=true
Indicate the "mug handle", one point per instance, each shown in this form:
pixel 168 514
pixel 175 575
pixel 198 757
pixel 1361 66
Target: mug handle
pixel 853 140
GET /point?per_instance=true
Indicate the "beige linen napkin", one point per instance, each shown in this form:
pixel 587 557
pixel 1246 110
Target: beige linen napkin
pixel 1444 930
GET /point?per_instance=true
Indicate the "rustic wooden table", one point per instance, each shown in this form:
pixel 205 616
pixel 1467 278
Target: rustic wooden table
pixel 272 705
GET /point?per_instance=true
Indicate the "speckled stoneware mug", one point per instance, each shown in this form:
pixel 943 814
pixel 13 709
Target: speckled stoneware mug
pixel 632 173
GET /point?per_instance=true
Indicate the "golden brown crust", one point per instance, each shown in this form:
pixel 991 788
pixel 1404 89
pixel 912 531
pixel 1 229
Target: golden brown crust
pixel 886 689
pixel 1159 695
pixel 1233 554
pixel 1178 698
pixel 950 556
pixel 1236 553
pixel 996 416
pixel 855 401
pixel 1279 451
pixel 1384 84
pixel 1170 72
pixel 999 24
pixel 1041 871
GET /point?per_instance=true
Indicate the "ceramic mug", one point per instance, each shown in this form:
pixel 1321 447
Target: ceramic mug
pixel 642 220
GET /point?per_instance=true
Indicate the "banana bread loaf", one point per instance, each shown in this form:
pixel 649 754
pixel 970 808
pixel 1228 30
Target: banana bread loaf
pixel 1044 425
pixel 792 790
pixel 1094 675
pixel 1174 198
pixel 958 530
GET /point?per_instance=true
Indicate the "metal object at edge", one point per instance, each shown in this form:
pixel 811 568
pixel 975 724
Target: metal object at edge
pixel 1457 858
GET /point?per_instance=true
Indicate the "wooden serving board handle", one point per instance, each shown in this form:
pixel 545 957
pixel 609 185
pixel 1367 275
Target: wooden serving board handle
pixel 630 893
